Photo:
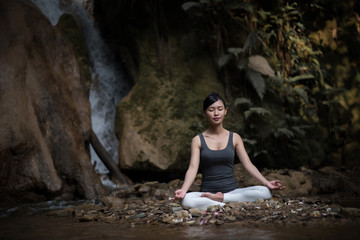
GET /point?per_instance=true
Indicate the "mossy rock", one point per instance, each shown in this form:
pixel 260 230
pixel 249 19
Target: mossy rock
pixel 163 112
pixel 73 33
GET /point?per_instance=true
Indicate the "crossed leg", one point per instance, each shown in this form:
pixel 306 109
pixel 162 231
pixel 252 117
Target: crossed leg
pixel 203 200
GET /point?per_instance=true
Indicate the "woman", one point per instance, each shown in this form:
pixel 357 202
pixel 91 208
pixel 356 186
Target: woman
pixel 214 151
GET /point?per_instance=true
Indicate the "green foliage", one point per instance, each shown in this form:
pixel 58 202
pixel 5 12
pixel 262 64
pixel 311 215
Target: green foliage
pixel 256 110
pixel 257 81
pixel 242 101
pixel 281 111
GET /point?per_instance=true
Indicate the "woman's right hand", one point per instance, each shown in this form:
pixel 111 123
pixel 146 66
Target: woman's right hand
pixel 180 193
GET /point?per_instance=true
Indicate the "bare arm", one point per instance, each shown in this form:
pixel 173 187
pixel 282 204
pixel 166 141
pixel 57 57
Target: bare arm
pixel 193 168
pixel 249 166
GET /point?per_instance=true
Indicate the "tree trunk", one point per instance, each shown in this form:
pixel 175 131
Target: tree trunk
pixel 107 159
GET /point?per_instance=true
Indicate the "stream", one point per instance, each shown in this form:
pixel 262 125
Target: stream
pixel 35 221
pixel 43 227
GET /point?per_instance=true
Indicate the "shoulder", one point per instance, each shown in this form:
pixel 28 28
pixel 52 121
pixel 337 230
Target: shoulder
pixel 196 141
pixel 237 139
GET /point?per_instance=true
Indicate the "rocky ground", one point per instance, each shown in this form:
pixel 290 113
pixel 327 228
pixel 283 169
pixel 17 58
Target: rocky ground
pixel 311 198
pixel 152 203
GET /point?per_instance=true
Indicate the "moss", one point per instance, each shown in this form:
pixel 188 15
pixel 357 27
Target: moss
pixel 71 30
pixel 168 111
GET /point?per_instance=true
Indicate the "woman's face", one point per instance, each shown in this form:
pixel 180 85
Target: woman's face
pixel 216 112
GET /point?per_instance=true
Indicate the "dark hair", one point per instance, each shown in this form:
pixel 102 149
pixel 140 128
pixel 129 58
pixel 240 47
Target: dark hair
pixel 211 98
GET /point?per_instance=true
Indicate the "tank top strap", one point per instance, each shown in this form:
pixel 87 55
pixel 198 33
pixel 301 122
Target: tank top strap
pixel 202 141
pixel 230 142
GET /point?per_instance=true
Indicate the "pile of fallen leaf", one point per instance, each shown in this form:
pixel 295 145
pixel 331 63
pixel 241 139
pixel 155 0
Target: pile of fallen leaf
pixel 153 203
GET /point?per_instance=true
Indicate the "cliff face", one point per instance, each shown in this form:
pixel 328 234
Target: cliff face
pixel 45 111
pixel 157 120
pixel 172 74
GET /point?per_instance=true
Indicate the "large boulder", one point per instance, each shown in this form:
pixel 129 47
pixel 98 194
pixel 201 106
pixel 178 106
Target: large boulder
pixel 157 120
pixel 45 111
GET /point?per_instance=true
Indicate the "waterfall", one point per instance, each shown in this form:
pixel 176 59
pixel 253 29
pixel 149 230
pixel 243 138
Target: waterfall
pixel 108 83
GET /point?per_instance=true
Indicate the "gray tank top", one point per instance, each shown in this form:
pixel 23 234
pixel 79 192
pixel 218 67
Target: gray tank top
pixel 217 167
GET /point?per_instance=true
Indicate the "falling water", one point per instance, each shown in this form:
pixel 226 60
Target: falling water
pixel 108 84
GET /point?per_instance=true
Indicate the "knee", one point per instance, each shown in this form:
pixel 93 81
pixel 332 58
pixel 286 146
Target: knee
pixel 265 192
pixel 188 200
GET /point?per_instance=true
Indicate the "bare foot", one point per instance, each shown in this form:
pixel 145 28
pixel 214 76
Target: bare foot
pixel 219 197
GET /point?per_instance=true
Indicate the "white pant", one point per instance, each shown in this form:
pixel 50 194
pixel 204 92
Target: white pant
pixel 248 194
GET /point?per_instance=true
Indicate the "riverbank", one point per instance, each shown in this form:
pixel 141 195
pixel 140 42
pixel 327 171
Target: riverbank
pixel 152 203
pixel 41 227
pixel 149 211
pixel 274 212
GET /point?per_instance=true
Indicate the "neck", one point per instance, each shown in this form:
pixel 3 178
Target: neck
pixel 217 129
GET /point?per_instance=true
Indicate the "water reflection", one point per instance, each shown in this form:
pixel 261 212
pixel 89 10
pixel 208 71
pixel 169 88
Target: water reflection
pixel 28 209
pixel 56 228
pixel 29 221
pixel 227 233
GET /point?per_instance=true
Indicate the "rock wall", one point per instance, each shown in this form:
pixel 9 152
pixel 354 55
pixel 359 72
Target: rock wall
pixel 45 112
pixel 157 120
pixel 173 72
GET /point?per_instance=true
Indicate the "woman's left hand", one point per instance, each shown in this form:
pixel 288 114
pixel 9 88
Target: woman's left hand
pixel 274 185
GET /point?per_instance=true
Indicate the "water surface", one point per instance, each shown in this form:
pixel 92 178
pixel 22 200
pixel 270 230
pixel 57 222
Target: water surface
pixel 44 227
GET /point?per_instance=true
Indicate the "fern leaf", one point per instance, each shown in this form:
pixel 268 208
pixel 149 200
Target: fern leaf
pixel 240 6
pixel 260 64
pixel 301 77
pixel 249 141
pixel 257 81
pixel 235 51
pixel 186 6
pixel 259 153
pixel 241 63
pixel 301 92
pixel 283 131
pixel 300 129
pixel 334 91
pixel 223 60
pixel 241 101
pixel 256 110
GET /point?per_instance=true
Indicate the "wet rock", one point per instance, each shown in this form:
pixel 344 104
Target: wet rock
pixel 230 218
pixel 176 207
pixel 355 212
pixel 124 193
pixel 144 189
pixel 175 184
pixel 277 213
pixel 145 141
pixel 89 207
pixel 160 193
pixel 167 218
pixel 112 202
pixel 195 212
pixel 182 214
pixel 191 222
pixel 61 212
pixel 45 111
pixel 328 180
pixel 214 208
pixel 219 222
pixel 280 211
pixel 140 215
pixel 335 210
pixel 316 214
pixel 134 201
